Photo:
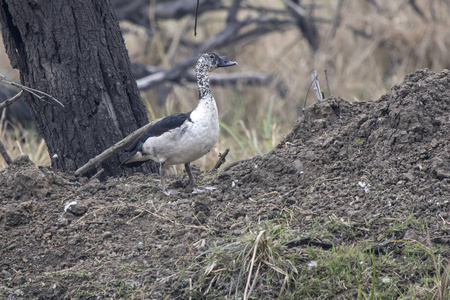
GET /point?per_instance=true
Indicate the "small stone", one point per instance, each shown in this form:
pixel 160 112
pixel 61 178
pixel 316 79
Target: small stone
pixel 408 176
pixel 140 246
pixel 77 209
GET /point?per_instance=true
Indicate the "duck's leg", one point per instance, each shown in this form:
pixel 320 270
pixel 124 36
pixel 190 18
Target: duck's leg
pixel 161 174
pixel 163 181
pixel 192 181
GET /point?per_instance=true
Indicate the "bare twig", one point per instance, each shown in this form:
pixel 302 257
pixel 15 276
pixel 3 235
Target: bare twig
pixel 39 94
pixel 196 16
pixel 10 100
pixel 117 147
pixel 307 93
pixel 222 159
pixel 328 83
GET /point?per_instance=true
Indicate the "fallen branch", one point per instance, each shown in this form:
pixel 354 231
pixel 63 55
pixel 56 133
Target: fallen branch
pixel 116 148
pixel 247 78
pixel 154 73
pixel 149 74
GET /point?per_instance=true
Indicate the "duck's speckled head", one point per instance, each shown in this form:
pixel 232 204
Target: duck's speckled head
pixel 211 60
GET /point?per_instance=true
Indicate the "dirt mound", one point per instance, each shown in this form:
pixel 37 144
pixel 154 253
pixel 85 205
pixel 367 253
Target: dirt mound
pixel 366 166
pixel 381 156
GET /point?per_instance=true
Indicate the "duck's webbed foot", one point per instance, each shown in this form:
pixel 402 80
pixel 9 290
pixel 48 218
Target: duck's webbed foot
pixel 193 183
pixel 202 189
pixel 170 192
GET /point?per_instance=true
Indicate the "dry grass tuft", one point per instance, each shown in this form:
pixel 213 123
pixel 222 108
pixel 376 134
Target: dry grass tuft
pixel 19 141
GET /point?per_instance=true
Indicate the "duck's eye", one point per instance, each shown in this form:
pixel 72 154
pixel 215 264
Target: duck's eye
pixel 211 56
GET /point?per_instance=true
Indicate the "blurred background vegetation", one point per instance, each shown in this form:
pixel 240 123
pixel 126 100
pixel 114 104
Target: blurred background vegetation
pixel 366 46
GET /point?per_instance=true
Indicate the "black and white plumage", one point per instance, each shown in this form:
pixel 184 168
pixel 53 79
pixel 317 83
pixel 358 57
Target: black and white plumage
pixel 183 137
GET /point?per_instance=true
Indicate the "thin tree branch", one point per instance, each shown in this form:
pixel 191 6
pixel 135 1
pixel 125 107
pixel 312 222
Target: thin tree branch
pixel 11 100
pixel 305 22
pixel 232 12
pixel 39 94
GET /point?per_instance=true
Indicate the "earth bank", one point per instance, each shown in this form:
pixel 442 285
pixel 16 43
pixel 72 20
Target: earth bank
pixel 347 173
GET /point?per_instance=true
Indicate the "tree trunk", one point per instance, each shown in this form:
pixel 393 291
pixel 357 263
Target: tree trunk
pixel 74 51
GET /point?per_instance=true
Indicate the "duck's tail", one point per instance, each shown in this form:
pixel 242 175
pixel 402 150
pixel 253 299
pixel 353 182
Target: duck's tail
pixel 135 160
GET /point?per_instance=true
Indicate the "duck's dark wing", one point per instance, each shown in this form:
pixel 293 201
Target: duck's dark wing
pixel 164 125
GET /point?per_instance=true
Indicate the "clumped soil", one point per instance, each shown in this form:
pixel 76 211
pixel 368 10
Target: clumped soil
pixel 368 165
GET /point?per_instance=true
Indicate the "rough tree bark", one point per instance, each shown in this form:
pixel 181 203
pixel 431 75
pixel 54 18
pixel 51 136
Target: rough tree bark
pixel 74 51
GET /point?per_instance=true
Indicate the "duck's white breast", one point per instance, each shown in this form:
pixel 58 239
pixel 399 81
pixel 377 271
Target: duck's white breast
pixel 189 142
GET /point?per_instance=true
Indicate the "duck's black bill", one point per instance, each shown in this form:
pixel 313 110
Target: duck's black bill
pixel 225 62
